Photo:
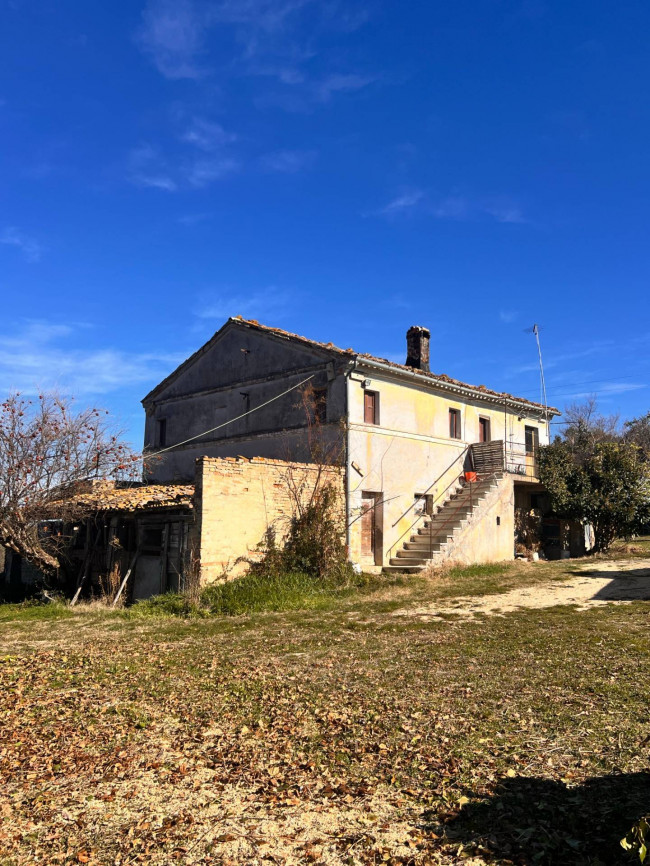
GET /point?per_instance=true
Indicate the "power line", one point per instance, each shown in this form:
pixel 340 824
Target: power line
pixel 587 382
pixel 149 454
pixel 596 392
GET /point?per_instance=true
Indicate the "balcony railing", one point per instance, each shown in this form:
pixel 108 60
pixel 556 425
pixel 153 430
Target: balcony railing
pixel 511 457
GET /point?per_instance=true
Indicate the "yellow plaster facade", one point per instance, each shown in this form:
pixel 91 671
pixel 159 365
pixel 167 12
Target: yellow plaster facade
pixel 410 451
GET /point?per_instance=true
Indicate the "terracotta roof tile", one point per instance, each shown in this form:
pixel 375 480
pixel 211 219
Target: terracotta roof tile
pixel 107 496
pixel 435 377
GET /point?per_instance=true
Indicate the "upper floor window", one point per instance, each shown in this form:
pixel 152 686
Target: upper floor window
pixel 161 432
pixel 454 423
pixel 484 430
pixel 371 407
pixel 532 440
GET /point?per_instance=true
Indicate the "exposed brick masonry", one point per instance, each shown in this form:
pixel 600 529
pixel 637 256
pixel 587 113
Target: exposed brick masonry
pixel 238 499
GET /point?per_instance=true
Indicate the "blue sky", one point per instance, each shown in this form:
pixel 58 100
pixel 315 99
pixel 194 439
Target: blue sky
pixel 339 169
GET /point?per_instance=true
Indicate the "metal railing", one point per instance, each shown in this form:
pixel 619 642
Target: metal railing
pixel 422 497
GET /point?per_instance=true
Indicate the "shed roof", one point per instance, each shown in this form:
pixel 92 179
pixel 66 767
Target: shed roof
pixel 107 496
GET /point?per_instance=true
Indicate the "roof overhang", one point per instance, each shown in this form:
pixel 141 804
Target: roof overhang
pixel 430 381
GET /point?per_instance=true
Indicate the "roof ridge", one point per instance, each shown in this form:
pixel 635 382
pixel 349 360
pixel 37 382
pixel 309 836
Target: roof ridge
pixel 443 377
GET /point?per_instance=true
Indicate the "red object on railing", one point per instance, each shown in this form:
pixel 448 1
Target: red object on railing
pixel 470 477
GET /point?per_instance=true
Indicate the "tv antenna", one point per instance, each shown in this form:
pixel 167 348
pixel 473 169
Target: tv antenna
pixel 542 382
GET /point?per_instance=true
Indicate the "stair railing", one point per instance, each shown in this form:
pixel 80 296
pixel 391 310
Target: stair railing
pixel 459 505
pixel 455 479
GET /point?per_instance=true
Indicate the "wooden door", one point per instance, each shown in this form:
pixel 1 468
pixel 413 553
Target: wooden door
pixel 484 430
pixel 368 524
pixel 372 542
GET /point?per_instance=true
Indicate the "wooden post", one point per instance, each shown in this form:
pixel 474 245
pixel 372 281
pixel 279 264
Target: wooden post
pixel 126 576
pixel 86 566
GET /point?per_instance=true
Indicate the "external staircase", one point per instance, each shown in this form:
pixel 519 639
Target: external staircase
pixel 433 537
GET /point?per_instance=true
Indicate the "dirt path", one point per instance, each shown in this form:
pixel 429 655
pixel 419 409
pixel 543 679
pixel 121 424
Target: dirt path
pixel 600 583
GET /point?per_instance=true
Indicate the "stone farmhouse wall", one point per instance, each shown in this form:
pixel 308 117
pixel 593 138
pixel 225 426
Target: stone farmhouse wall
pixel 238 500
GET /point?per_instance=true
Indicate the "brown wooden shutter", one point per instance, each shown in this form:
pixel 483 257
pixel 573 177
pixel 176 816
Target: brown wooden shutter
pixel 369 405
pixel 454 423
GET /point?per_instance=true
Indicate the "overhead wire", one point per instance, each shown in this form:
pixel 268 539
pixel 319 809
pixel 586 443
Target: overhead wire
pixel 149 454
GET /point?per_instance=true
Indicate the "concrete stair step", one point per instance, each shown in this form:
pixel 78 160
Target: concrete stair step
pixel 402 569
pixel 424 542
pixel 423 548
pixel 417 554
pixel 439 525
pixel 437 532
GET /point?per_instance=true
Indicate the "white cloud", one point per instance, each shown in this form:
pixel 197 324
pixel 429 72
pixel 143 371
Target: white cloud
pixel 29 247
pixel 269 303
pixel 38 356
pixel 288 161
pixel 146 167
pixel 193 219
pixel 504 212
pixel 174 32
pixel 207 135
pixel 267 38
pixel 508 316
pixel 203 172
pixel 404 203
pixel 341 83
pixel 452 207
pixel 173 36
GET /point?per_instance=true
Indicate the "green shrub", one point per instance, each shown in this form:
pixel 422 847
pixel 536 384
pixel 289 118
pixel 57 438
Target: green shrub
pixel 315 542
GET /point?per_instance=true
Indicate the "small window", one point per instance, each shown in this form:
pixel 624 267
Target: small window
pixel 454 423
pixel 320 405
pixel 371 407
pixel 161 432
pixel 424 503
pixel 532 440
pixel 484 433
pixel 151 538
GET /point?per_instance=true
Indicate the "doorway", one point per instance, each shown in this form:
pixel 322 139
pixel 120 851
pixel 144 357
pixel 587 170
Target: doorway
pixel 372 527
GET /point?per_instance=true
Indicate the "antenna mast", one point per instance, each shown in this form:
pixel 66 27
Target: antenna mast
pixel 542 381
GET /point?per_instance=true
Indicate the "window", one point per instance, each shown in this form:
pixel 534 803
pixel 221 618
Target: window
pixel 532 440
pixel 320 405
pixel 161 432
pixel 371 407
pixel 424 503
pixel 151 538
pixel 454 423
pixel 484 434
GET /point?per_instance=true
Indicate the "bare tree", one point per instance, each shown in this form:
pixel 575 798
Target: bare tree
pixel 585 427
pixel 47 448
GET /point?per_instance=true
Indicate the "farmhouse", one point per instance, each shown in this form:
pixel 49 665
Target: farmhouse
pixel 433 468
pixel 426 469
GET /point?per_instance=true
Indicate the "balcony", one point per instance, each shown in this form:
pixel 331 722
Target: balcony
pixel 500 456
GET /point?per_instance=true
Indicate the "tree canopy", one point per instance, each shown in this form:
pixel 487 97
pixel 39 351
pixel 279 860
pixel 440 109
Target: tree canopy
pixel 47 448
pixel 595 474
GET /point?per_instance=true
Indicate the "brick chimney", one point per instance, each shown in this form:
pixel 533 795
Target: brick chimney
pixel 417 348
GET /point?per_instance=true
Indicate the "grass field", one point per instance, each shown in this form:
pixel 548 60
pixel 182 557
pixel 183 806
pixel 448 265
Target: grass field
pixel 336 734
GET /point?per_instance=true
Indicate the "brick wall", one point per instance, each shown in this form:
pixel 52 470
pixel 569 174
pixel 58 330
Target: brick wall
pixel 238 500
